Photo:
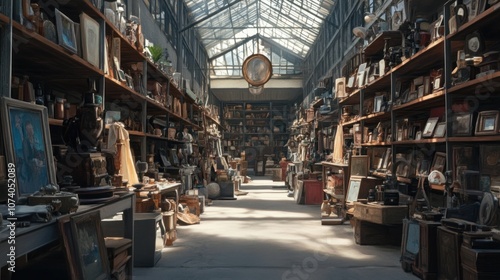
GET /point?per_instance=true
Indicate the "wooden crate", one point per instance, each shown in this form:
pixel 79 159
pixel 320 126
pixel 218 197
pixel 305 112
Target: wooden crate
pixel 480 260
pixel 471 274
pixel 448 246
pixel 309 115
pixel 379 213
pixel 313 190
pixel 427 255
pixel 366 233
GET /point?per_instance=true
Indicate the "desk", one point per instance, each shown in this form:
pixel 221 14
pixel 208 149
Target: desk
pixel 38 235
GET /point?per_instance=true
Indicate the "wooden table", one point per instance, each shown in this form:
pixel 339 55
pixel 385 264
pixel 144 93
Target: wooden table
pixel 37 235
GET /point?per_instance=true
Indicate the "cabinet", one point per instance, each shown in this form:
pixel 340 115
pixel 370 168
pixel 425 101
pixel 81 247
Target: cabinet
pixel 259 129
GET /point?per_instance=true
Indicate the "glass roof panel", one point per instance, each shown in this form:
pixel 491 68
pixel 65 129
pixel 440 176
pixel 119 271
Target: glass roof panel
pixel 224 25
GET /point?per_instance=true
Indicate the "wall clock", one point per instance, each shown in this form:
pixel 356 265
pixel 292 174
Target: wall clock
pixel 257 70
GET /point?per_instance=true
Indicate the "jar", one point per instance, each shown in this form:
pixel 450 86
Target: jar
pixel 59 108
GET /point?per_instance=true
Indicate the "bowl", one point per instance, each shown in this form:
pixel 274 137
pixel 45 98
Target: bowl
pixel 138 186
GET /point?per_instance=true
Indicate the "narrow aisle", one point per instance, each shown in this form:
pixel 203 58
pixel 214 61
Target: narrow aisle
pixel 266 235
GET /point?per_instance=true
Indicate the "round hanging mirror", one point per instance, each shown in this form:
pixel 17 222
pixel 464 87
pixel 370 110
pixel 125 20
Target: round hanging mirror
pixel 257 70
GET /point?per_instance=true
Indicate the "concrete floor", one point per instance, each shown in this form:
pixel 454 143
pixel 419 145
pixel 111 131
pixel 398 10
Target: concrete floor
pixel 266 235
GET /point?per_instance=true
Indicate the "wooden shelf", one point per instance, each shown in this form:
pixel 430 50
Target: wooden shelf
pixel 358 120
pixel 434 99
pixel 376 46
pixel 352 99
pixel 37 56
pixel 492 138
pixel 381 144
pixel 421 141
pixel 430 57
pixel 486 84
pixel 56 122
pixel 382 83
pixel 487 21
pixel 136 133
pixel 4 20
pixel 376 117
pixel 163 138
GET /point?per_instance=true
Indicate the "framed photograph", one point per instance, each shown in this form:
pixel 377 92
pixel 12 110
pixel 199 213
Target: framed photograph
pixel 422 168
pixel 430 126
pixel 440 130
pixel 368 106
pixel 462 124
pixel 340 88
pixel 359 165
pixel 487 123
pixel 490 160
pixel 379 100
pixel 66 33
pixel 26 135
pixel 90 250
pixel 439 162
pixel 89 29
pixel 353 189
pixel 361 74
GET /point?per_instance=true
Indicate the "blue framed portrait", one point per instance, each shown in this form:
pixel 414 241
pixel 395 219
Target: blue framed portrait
pixel 27 145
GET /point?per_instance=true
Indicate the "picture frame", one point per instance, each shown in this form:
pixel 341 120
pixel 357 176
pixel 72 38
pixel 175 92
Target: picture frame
pixel 359 166
pixel 490 160
pixel 90 32
pixel 440 130
pixel 462 124
pixel 353 189
pixel 439 162
pixel 487 122
pixel 68 242
pixel 378 101
pixel 429 127
pixel 27 144
pixel 91 260
pixel 66 34
pixel 422 168
pixel 368 106
pixel 340 84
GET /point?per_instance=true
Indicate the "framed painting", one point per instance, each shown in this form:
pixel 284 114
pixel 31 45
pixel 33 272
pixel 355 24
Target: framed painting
pixel 66 33
pixel 353 189
pixel 430 126
pixel 89 29
pixel 90 250
pixel 359 165
pixel 439 162
pixel 487 123
pixel 27 141
pixel 440 130
pixel 462 124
